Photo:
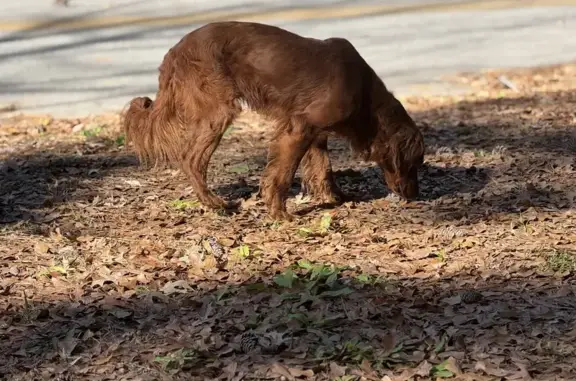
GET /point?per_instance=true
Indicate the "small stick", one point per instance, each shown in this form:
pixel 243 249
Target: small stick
pixel 508 83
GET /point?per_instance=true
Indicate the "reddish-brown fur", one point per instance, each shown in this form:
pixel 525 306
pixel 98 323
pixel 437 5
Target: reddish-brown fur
pixel 309 88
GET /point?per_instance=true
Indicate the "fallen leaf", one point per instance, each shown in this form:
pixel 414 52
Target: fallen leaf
pixel 389 342
pixel 337 370
pixel 280 370
pixel 522 374
pixel 230 370
pixel 451 364
pixel 120 313
pixel 490 370
pixel 41 248
pixel 335 293
pixel 299 373
pixel 133 183
pixel 453 300
pixel 67 345
pixel 176 287
pixel 423 370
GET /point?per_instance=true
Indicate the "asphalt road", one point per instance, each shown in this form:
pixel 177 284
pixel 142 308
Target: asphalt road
pixel 95 55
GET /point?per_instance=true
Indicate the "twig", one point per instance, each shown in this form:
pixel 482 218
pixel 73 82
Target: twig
pixel 508 83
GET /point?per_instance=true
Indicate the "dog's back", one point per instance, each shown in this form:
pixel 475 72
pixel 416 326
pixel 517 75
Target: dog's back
pixel 274 71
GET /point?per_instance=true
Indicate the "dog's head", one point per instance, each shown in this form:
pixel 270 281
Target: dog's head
pixel 401 161
pixel 399 152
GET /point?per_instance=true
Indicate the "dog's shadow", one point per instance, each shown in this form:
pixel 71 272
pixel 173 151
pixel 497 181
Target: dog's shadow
pixel 366 184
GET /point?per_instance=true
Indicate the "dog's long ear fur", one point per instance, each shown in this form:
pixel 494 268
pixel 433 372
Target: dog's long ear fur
pixel 397 138
pixel 405 148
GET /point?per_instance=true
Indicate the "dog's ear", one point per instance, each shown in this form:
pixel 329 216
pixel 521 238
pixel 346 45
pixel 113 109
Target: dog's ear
pixel 399 153
pixel 388 153
pixel 406 150
pixel 395 152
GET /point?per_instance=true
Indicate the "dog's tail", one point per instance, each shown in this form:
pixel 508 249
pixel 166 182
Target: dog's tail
pixel 154 133
pixel 134 120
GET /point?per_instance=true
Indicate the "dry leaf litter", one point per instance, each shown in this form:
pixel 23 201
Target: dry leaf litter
pixel 112 272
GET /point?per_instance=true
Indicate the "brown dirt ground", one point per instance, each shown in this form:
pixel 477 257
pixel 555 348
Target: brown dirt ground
pixel 105 273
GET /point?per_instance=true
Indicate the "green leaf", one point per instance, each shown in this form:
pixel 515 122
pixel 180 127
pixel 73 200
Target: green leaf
pixel 243 251
pixel 290 296
pixel 184 204
pixel 335 293
pixel 256 286
pixel 120 140
pixel 305 264
pixel 304 232
pixel 162 359
pixel 443 374
pixel 440 370
pixel 315 272
pixel 325 222
pixel 440 345
pixel 363 278
pixel 397 348
pixel 322 271
pixel 286 279
pixel 221 293
pixel 58 269
pixel 240 168
pixel 312 287
pixel 94 131
pixel 300 317
pixel 331 280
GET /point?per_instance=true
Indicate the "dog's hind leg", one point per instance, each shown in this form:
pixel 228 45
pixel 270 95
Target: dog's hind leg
pixel 201 147
pixel 207 108
pixel 317 176
pixel 286 150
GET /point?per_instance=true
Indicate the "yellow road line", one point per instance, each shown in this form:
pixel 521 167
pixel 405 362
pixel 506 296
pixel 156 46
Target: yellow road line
pixel 296 14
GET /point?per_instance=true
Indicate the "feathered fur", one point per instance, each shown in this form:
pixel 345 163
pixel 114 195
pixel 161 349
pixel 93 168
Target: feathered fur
pixel 310 88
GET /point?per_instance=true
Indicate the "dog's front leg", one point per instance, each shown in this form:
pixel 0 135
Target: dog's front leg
pixel 317 176
pixel 286 150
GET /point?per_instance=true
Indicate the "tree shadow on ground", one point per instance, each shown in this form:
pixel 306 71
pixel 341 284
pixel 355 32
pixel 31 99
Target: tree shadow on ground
pixel 130 311
pixel 41 180
pixel 321 327
pixel 483 157
pixel 538 124
pixel 366 184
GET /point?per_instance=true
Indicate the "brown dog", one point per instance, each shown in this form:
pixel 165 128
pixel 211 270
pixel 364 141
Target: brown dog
pixel 309 88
